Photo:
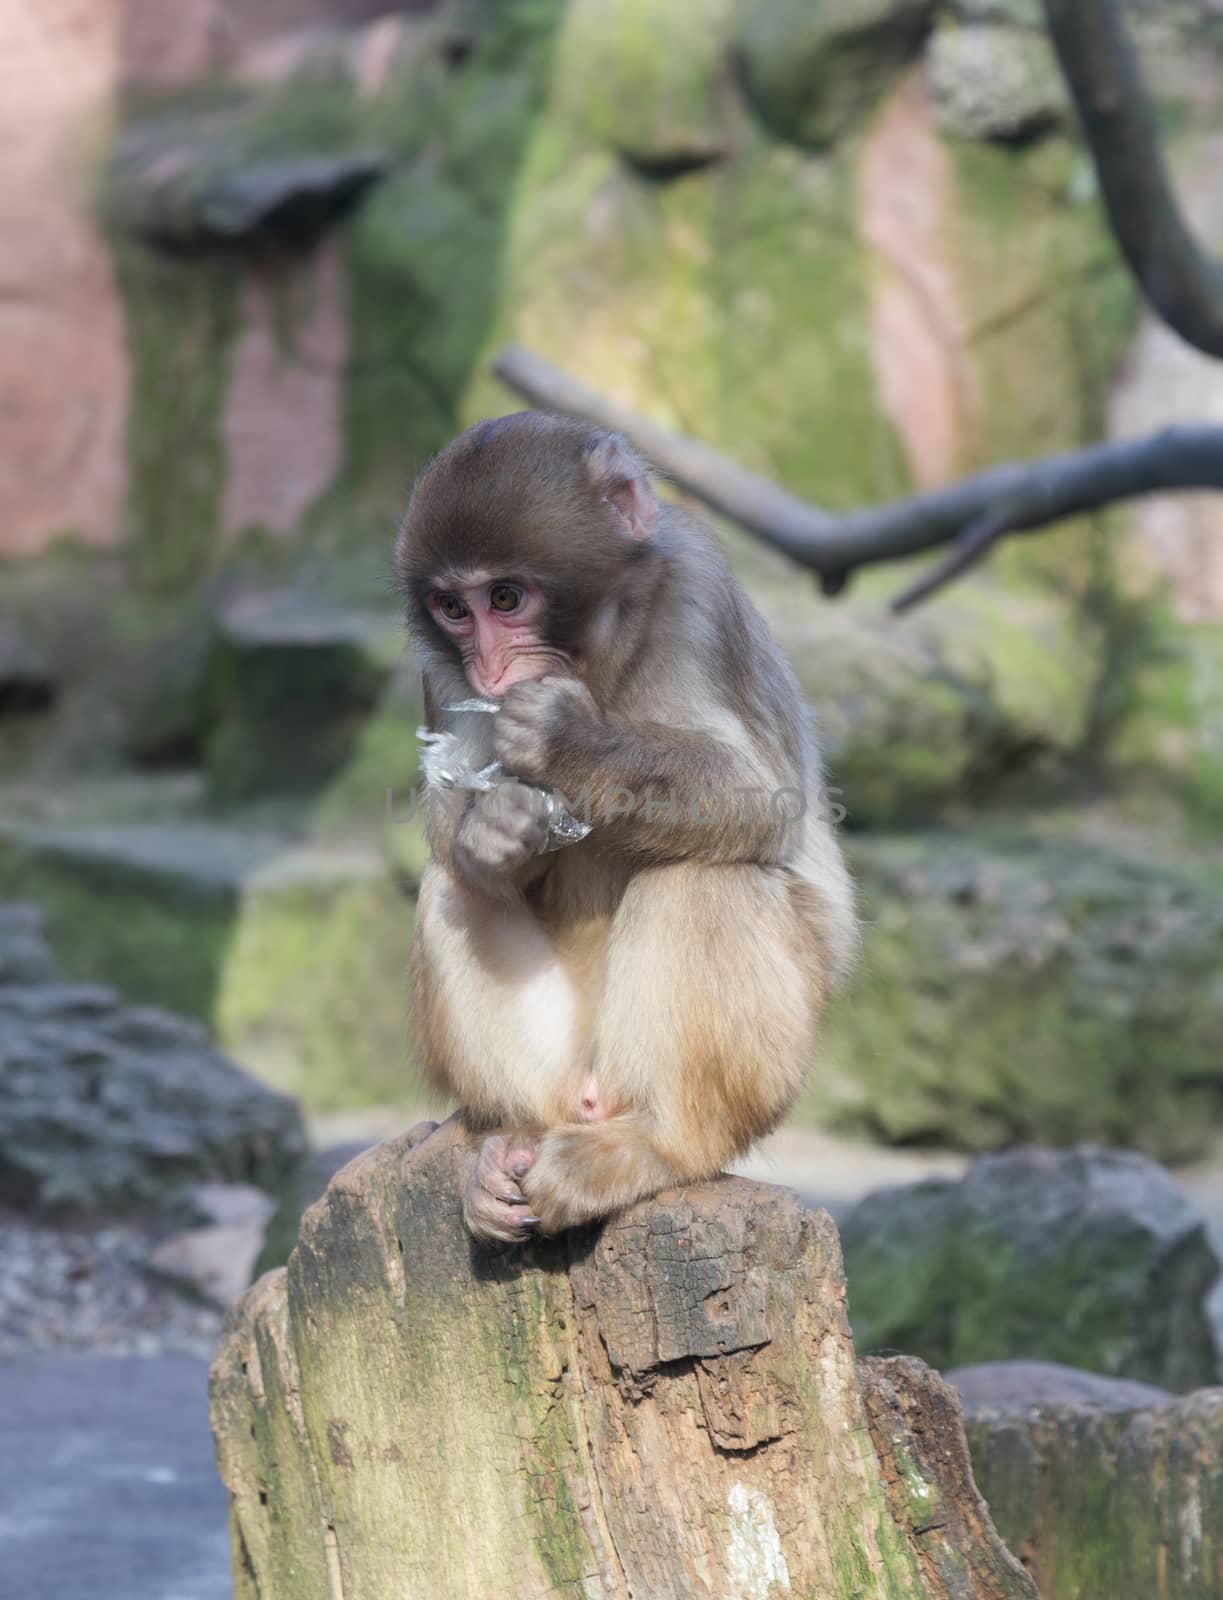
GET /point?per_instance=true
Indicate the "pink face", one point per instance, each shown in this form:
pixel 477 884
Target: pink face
pixel 495 623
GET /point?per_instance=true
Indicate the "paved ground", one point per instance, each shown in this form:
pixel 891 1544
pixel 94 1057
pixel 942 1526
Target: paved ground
pixel 107 1485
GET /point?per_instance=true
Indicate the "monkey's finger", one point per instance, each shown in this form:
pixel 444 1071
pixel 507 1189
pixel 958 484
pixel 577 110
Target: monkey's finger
pixel 502 1190
pixel 488 1218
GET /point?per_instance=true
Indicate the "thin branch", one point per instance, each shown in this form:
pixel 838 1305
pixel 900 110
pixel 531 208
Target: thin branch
pixel 1181 283
pixel 1023 495
pixel 973 545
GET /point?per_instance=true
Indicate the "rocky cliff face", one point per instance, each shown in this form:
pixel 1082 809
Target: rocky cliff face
pixel 775 225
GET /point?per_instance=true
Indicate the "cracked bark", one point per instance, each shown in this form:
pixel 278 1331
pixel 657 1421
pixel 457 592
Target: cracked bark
pixel 664 1409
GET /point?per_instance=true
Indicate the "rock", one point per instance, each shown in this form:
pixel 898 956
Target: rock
pixel 27 681
pixel 108 1107
pixel 216 1262
pixel 61 320
pixel 812 67
pixel 292 954
pixel 912 718
pixel 372 54
pixel 1107 1488
pixel 627 1409
pixel 651 80
pixel 84 1285
pixel 193 187
pixel 289 683
pixel 1028 988
pixel 25 959
pixel 996 83
pixel 1010 1388
pixel 1012 13
pixel 1089 1257
pixel 283 421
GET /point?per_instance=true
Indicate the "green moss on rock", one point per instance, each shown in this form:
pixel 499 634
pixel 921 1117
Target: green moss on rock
pixel 1088 1257
pixel 730 305
pixel 182 320
pixel 1028 989
pixel 649 78
pixel 295 956
pixel 813 67
pixel 290 683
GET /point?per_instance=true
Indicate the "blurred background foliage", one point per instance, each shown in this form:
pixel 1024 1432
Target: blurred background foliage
pixel 855 246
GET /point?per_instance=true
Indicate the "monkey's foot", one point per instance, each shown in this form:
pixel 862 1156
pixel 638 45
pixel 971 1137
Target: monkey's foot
pixel 494 1205
pixel 587 1170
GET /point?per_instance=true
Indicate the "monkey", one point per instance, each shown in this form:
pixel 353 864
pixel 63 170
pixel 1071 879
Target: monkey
pixel 632 1011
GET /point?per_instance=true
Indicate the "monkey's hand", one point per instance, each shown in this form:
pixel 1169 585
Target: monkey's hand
pixel 543 722
pixel 494 1206
pixel 504 829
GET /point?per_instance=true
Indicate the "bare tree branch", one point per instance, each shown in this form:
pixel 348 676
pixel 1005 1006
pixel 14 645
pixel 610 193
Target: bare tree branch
pixel 972 514
pixel 973 545
pixel 1181 283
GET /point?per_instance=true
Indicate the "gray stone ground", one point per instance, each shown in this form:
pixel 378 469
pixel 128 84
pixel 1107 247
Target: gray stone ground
pixel 107 1485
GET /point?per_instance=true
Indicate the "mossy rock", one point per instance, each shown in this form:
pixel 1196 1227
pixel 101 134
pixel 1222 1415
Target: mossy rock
pixel 996 83
pixel 702 318
pixel 290 682
pixel 1020 988
pixel 1174 734
pixel 295 956
pixel 813 67
pixel 650 79
pixel 1089 1257
pixel 919 715
pixel 109 1107
pixel 1013 13
pixel 182 325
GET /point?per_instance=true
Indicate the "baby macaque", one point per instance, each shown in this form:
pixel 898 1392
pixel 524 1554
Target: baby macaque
pixel 632 1010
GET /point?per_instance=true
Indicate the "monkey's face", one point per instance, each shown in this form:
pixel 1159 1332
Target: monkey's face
pixel 517 539
pixel 496 624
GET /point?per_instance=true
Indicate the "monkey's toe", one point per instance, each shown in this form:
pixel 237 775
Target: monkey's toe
pixel 552 1199
pixel 509 1221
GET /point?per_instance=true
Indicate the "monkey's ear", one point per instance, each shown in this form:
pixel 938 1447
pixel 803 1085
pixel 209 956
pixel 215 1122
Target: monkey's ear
pixel 619 478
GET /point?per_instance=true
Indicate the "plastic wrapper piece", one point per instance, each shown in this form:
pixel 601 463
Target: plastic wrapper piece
pixel 446 762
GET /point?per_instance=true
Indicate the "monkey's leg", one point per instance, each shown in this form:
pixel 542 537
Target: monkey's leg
pixel 701 1040
pixel 496 1025
pixel 496 1015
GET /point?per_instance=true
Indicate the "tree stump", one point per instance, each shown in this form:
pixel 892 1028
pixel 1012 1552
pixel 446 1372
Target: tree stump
pixel 664 1408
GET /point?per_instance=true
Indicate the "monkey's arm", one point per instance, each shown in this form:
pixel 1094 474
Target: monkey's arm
pixel 491 840
pixel 662 793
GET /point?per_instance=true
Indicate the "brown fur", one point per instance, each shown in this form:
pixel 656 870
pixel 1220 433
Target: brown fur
pixel 680 959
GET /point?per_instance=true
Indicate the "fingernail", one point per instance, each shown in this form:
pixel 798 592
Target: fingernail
pixel 528 1222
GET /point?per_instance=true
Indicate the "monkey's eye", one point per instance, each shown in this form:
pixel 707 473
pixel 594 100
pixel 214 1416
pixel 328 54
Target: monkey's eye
pixel 505 597
pixel 451 607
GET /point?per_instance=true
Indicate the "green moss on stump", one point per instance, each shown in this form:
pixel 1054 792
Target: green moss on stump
pixel 1107 1495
